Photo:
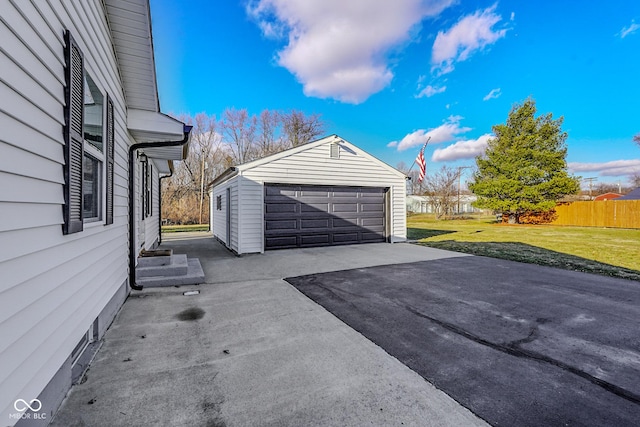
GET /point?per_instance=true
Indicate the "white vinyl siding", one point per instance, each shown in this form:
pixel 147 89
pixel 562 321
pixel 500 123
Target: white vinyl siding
pixel 251 215
pixel 53 286
pixel 219 225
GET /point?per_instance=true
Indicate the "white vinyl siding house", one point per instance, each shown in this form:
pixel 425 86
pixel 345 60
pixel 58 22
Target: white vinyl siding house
pixel 60 286
pixel 330 163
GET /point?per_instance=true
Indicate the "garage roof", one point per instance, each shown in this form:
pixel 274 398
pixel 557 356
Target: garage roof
pixel 333 139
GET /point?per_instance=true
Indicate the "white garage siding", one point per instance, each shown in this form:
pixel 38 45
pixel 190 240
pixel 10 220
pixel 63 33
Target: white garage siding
pixel 219 222
pixel 251 217
pixel 313 165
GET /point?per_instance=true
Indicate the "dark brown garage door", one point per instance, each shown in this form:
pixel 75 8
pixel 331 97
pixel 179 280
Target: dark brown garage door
pixel 302 216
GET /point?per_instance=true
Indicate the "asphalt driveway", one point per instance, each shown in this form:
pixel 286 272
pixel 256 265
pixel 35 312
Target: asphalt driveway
pixel 517 344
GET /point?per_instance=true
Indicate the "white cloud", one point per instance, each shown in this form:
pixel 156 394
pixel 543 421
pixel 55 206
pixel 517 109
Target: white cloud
pixel 513 16
pixel 470 34
pixel 613 168
pixel 443 133
pixel 338 49
pixel 495 93
pixel 462 149
pixel 625 31
pixel 429 91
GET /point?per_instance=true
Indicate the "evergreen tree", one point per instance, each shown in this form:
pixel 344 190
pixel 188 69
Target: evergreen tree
pixel 524 167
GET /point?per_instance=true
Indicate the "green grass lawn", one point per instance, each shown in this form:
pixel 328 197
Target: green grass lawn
pixel 179 228
pixel 607 251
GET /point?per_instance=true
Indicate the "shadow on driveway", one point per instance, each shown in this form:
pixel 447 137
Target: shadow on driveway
pixel 518 344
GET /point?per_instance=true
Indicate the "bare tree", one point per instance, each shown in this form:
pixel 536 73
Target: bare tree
pixel 240 133
pixel 635 180
pixel 442 189
pixel 268 141
pixel 298 128
pixel 184 199
pixel 636 139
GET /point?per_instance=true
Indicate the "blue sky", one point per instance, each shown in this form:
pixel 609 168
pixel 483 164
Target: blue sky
pixel 385 75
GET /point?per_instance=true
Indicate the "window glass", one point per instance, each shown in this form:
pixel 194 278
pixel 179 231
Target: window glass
pixel 93 106
pixel 91 188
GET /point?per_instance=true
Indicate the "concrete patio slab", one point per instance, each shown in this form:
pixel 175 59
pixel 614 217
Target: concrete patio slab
pixel 249 349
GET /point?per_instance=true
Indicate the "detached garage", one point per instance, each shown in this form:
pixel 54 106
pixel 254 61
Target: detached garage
pixel 328 192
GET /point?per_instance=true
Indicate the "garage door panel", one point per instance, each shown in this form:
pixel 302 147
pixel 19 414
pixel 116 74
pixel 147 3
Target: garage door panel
pixel 367 236
pixel 276 208
pixel 288 224
pixel 315 192
pixel 314 207
pixel 345 237
pixel 281 242
pixel 345 222
pixel 304 216
pixel 372 222
pixel 280 191
pixel 315 239
pixel 371 192
pixel 345 207
pixel 346 194
pixel 314 223
pixel 371 207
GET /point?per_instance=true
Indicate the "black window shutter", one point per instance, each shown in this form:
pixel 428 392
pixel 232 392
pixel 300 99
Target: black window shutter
pixel 109 161
pixel 74 147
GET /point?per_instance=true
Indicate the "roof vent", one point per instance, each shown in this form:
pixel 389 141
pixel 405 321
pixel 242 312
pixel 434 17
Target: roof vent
pixel 335 151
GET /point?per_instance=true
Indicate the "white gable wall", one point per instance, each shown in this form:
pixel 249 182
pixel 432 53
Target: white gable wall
pixel 314 167
pixel 53 286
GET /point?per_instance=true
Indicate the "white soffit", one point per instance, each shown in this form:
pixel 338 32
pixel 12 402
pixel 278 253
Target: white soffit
pixel 130 23
pixel 164 167
pixel 149 126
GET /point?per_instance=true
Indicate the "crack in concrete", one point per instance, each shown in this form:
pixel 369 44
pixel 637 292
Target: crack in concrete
pixel 513 349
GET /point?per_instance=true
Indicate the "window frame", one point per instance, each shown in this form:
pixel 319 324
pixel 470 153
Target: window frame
pixel 93 152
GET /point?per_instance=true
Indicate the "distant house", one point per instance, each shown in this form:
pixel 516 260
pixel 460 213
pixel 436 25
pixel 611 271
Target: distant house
pixel 82 148
pixel 426 204
pixel 606 196
pixel 327 192
pixel 633 195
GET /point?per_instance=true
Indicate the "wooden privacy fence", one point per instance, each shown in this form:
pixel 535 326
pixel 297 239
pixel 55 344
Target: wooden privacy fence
pixel 608 213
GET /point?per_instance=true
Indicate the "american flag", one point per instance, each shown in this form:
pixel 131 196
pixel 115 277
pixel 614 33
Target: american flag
pixel 421 162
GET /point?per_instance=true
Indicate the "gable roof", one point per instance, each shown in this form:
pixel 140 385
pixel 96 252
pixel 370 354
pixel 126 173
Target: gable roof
pixel 331 139
pixel 633 195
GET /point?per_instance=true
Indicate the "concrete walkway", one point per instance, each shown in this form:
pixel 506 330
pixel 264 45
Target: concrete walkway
pixel 249 349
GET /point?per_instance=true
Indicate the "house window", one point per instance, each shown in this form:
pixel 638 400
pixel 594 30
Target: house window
pixel 93 151
pixel 91 186
pixel 93 113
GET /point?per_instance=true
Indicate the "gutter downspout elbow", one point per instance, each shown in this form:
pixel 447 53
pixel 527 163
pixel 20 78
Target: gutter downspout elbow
pixel 132 152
